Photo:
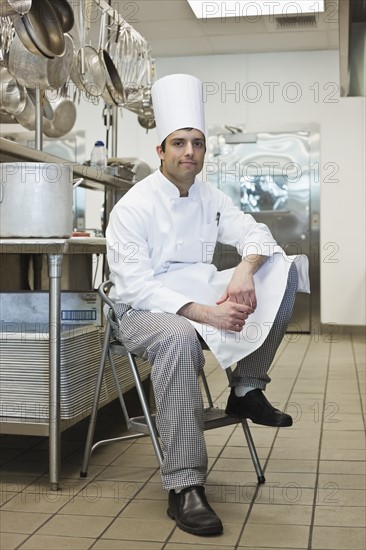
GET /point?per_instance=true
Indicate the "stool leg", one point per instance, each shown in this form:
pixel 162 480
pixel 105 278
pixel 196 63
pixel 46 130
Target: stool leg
pixel 94 411
pixel 250 442
pixel 145 408
pixel 253 451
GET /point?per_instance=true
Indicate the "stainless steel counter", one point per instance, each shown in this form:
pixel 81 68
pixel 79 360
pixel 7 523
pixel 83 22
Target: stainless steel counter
pixel 55 249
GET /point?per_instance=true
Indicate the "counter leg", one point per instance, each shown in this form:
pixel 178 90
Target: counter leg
pixel 54 275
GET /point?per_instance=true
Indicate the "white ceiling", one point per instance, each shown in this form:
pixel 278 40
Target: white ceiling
pixel 171 29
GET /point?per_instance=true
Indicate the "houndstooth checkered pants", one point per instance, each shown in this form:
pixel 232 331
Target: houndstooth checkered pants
pixel 171 345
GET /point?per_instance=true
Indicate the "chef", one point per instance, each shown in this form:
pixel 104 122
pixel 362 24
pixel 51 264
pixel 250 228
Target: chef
pixel 160 242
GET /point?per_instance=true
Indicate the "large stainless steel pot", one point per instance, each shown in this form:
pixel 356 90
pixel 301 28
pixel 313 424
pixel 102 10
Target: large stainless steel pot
pixel 35 200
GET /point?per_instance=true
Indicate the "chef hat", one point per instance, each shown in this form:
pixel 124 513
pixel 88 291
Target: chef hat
pixel 178 103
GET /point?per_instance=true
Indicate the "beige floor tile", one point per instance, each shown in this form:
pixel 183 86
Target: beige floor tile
pixel 75 526
pixel 21 522
pixel 140 508
pixel 295 454
pixel 347 422
pixel 49 542
pixel 342 467
pixel 296 432
pixel 281 536
pixel 230 477
pixel 344 440
pixel 94 506
pixel 332 495
pixel 11 541
pixel 339 538
pixel 126 473
pixel 117 490
pixel 153 491
pixel 340 516
pixel 237 465
pixel 293 479
pixel 72 471
pixel 67 487
pixel 140 529
pixel 289 466
pixel 15 482
pixel 228 538
pixel 296 443
pixel 343 481
pixel 234 493
pixel 136 460
pixel 342 454
pixel 231 512
pixel 215 545
pixel 109 544
pixel 268 494
pixel 36 503
pixel 280 515
pixel 243 452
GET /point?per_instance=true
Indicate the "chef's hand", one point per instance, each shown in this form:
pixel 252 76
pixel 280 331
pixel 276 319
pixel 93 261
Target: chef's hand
pixel 225 316
pixel 241 288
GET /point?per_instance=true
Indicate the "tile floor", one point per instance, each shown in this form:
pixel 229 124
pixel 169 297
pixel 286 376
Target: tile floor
pixel 314 497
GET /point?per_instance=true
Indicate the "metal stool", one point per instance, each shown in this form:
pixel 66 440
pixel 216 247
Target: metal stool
pixel 143 426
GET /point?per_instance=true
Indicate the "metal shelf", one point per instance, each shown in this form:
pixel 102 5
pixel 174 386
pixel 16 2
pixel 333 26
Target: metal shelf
pixel 93 178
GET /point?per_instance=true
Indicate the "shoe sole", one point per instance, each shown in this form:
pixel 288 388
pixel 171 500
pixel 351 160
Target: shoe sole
pixel 283 425
pixel 195 530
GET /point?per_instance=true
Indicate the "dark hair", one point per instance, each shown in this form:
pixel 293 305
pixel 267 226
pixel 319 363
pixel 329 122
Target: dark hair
pixel 163 143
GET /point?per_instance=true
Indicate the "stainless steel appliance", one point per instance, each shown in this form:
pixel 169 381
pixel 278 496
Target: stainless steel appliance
pixel 274 176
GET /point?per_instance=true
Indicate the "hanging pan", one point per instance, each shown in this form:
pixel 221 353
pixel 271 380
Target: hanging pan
pixel 88 72
pixel 65 14
pixel 13 7
pixel 33 70
pixel 12 95
pixel 113 93
pixel 40 30
pixel 64 114
pixel 27 117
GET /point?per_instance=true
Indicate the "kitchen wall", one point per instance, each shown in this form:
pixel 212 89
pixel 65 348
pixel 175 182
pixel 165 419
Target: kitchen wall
pixel 282 91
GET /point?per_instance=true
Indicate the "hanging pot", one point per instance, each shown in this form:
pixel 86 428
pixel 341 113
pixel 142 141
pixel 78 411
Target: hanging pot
pixel 33 70
pixel 13 7
pixel 40 30
pixel 59 68
pixel 64 116
pixel 64 13
pixel 30 195
pixel 12 95
pixel 27 117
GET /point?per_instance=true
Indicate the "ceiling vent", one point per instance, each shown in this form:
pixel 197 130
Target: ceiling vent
pixel 296 23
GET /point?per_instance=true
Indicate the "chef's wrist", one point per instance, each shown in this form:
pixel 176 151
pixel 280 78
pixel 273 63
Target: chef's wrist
pixel 251 263
pixel 194 312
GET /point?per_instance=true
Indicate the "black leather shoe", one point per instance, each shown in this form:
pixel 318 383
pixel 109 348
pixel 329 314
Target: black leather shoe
pixel 257 408
pixel 193 513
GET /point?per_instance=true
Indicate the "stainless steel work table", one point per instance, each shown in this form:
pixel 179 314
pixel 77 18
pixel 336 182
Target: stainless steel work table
pixel 55 250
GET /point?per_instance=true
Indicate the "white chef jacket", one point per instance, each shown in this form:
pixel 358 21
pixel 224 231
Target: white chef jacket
pixel 160 247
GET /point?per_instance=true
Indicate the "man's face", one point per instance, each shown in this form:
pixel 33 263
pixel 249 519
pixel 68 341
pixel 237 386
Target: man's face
pixel 183 157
